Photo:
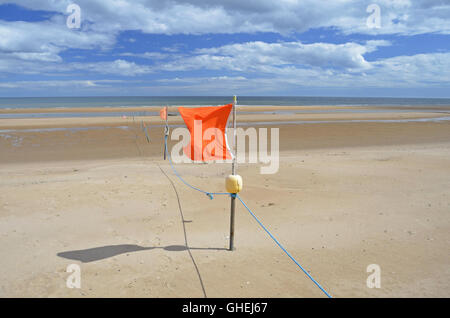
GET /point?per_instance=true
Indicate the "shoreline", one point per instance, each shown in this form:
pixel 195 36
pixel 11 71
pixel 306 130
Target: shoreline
pixel 67 122
pixel 46 139
pixel 247 108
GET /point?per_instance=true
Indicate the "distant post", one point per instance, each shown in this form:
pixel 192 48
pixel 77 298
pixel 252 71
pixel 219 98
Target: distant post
pixel 233 172
pixel 166 129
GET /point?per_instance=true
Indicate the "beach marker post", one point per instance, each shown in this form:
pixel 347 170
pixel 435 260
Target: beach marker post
pixel 164 114
pixel 233 172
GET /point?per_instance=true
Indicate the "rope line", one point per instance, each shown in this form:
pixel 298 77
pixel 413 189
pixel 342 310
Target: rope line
pixel 211 196
pixel 284 250
pixel 185 235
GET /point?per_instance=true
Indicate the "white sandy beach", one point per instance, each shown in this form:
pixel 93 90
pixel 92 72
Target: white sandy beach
pixel 347 195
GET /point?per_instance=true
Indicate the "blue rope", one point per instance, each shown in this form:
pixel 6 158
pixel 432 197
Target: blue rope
pixel 293 259
pixel 234 195
pixel 209 194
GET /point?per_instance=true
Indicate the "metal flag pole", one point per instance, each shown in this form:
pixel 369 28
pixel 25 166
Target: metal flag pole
pixel 233 172
pixel 166 129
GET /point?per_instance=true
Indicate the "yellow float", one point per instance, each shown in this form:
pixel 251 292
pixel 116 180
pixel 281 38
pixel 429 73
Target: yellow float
pixel 233 183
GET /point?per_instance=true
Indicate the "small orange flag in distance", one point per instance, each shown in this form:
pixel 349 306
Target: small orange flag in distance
pixel 207 126
pixel 163 113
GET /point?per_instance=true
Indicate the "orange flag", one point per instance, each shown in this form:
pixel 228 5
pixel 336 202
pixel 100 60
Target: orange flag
pixel 207 126
pixel 163 113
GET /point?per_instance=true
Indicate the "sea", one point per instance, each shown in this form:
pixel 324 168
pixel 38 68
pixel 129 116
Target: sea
pixel 136 101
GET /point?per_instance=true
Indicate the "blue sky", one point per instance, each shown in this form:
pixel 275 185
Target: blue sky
pixel 225 47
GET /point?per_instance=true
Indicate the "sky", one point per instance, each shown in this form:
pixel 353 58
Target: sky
pixel 377 48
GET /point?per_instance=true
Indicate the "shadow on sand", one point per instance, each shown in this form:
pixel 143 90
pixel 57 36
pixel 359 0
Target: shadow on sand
pixel 99 253
pixel 103 252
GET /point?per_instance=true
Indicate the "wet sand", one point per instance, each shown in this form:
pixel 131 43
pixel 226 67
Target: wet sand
pixel 346 195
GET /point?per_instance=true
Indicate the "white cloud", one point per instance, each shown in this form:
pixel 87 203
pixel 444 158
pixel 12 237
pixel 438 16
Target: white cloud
pixel 28 48
pixel 418 71
pixel 431 69
pixel 147 55
pixel 277 72
pixel 24 42
pixel 37 47
pixel 231 16
pixel 48 37
pixel 260 56
pixel 117 67
pixel 198 80
pixel 58 84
